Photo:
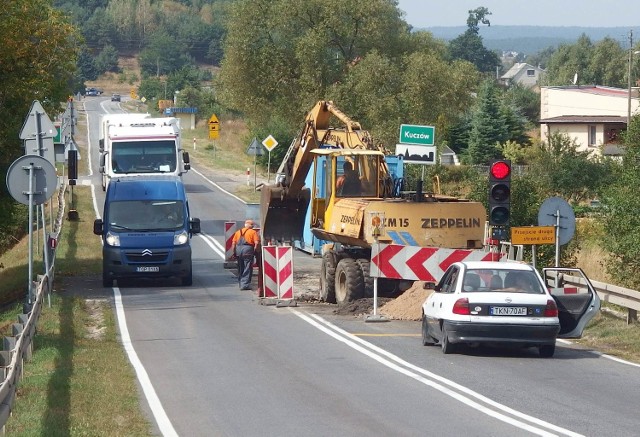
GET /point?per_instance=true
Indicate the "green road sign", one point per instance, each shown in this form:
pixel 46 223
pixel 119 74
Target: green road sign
pixel 419 135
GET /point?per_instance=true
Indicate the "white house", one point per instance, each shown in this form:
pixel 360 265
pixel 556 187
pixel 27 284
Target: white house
pixel 522 73
pixel 593 115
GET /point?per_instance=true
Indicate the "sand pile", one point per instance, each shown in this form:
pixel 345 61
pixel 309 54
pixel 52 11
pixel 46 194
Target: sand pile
pixel 407 306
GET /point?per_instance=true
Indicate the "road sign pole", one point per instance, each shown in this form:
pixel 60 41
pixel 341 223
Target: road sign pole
pixel 269 167
pixel 27 307
pixel 557 238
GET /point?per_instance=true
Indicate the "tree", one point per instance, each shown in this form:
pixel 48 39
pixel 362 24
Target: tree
pixel 107 60
pixel 620 218
pixel 488 127
pixel 163 54
pixel 469 46
pixel 570 64
pixel 268 63
pixel 37 62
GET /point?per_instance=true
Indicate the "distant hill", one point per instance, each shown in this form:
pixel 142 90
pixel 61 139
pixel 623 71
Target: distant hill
pixel 533 39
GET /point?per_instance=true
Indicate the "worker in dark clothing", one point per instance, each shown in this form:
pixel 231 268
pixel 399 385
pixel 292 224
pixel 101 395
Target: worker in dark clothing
pixel 245 244
pixel 349 183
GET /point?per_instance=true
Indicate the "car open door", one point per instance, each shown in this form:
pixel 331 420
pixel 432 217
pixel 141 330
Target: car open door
pixel 577 300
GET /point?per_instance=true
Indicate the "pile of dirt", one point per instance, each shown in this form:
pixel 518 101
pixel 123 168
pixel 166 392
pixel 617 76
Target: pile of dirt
pixel 407 306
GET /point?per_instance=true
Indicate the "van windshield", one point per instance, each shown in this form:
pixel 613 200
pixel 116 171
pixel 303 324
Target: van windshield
pixel 136 215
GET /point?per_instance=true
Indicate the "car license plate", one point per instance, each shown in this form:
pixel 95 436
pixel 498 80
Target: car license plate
pixel 145 269
pixel 508 311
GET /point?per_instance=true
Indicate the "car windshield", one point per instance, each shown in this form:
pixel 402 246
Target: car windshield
pixel 506 280
pixel 136 215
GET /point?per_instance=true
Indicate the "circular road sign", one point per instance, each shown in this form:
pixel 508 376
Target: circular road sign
pixel 45 179
pixel 548 216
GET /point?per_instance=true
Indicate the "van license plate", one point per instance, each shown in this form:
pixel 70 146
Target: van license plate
pixel 147 269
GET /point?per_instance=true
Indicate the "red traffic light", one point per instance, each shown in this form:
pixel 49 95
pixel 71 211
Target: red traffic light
pixel 500 170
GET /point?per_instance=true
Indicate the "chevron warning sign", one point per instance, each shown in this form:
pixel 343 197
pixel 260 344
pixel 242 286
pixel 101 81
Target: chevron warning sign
pixel 277 269
pixel 421 263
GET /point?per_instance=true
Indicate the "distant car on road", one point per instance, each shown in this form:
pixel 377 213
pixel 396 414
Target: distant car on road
pixel 91 92
pixel 115 98
pixel 485 302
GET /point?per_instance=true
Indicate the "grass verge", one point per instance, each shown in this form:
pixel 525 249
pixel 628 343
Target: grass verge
pixel 79 380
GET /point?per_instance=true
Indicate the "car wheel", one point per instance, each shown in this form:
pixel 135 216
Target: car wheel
pixel 547 350
pixel 427 340
pixel 349 281
pixel 447 347
pixel 328 277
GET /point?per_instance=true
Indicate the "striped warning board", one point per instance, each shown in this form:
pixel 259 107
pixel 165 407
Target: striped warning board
pixel 277 269
pixel 421 263
pixel 229 230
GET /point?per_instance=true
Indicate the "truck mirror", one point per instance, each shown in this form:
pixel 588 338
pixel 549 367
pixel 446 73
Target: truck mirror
pixel 101 145
pixel 98 226
pixel 194 226
pixel 185 159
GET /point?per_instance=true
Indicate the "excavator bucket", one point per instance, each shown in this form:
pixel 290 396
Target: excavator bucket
pixel 283 219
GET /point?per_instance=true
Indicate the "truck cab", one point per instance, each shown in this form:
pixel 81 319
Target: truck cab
pixel 146 229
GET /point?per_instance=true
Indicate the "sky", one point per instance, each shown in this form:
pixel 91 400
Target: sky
pixel 583 13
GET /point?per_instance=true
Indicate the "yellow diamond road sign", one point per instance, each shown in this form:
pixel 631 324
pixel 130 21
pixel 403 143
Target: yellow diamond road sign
pixel 269 143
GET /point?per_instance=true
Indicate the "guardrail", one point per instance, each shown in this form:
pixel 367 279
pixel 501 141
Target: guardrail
pixel 624 297
pixel 19 347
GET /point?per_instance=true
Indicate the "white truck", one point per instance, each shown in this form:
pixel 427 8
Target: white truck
pixel 135 144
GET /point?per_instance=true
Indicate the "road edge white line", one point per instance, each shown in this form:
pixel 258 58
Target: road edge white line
pixel 164 424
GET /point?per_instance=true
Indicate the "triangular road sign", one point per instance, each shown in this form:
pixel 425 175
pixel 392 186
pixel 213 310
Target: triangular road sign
pixel 29 128
pixel 255 148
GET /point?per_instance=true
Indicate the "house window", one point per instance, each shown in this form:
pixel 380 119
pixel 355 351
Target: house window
pixel 531 72
pixel 592 135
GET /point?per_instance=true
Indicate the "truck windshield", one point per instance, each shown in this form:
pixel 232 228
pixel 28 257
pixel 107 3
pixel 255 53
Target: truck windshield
pixel 144 156
pixel 137 215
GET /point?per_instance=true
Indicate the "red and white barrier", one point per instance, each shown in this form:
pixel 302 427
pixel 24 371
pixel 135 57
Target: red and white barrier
pixel 277 268
pixel 395 261
pixel 229 230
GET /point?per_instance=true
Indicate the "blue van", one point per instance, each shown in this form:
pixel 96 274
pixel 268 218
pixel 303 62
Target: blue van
pixel 146 229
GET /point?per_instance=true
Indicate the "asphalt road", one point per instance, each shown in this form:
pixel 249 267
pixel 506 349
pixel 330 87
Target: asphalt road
pixel 213 361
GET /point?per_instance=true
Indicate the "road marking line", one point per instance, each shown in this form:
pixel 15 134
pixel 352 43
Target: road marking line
pixel 436 381
pixel 164 424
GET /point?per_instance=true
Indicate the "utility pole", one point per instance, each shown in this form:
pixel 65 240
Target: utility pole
pixel 629 78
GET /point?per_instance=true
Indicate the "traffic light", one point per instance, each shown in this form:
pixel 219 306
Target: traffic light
pixel 499 192
pixel 72 158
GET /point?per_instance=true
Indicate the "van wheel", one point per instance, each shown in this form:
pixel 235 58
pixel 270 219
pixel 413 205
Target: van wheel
pixel 349 281
pixel 188 280
pixel 107 281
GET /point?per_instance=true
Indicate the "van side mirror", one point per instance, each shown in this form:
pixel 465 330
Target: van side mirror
pixel 101 145
pixel 98 226
pixel 194 226
pixel 185 159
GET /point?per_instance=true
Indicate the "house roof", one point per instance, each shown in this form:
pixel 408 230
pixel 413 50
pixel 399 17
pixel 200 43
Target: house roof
pixel 576 119
pixel 516 68
pixel 593 89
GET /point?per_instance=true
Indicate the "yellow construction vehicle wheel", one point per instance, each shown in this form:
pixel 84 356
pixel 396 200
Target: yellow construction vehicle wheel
pixel 349 281
pixel 328 277
pixel 365 266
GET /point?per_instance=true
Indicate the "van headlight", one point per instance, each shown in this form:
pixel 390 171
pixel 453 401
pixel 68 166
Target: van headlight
pixel 112 239
pixel 180 238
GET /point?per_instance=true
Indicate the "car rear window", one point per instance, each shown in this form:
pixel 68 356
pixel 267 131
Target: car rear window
pixel 506 280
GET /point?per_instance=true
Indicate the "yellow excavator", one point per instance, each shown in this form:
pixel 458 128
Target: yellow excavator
pixel 357 189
